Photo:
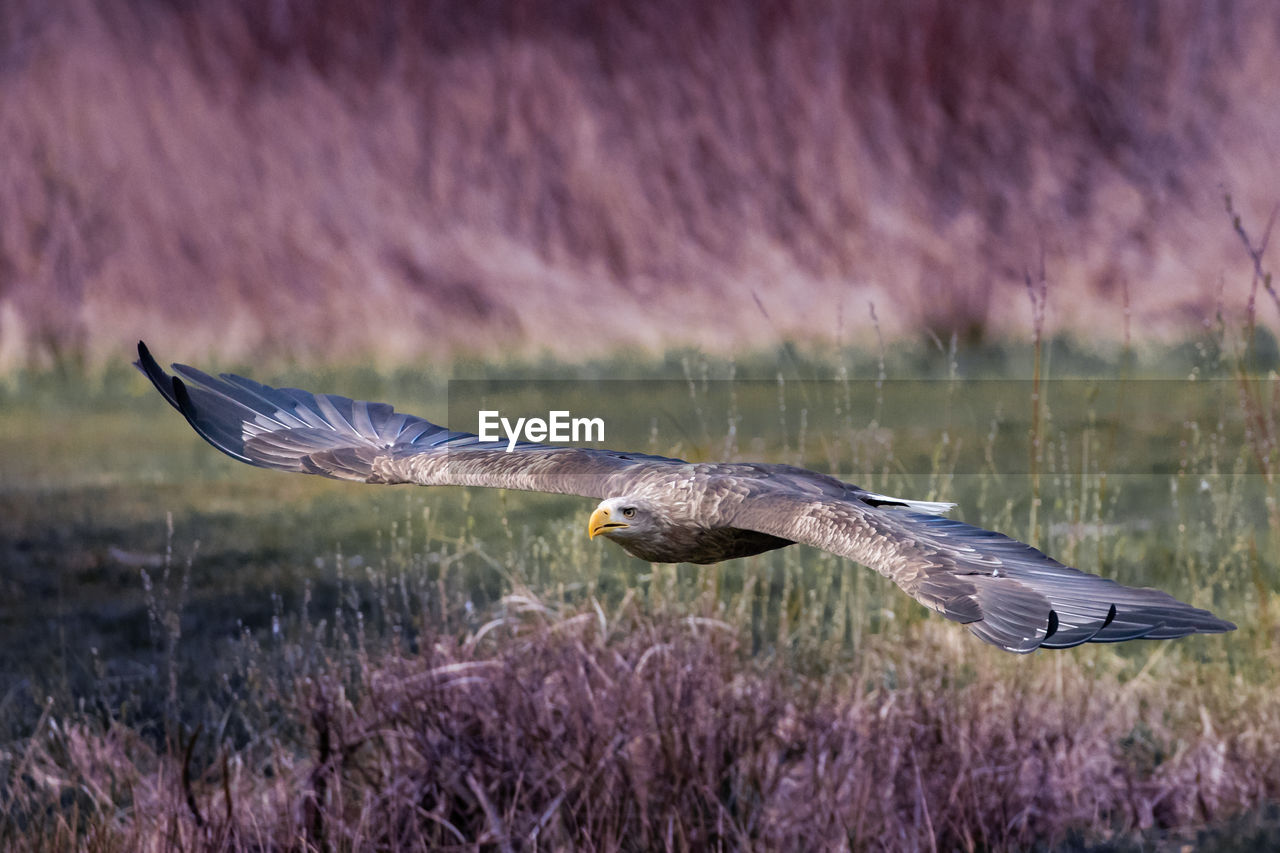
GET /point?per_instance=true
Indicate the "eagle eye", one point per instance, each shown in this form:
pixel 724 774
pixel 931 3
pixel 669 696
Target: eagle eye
pixel 628 512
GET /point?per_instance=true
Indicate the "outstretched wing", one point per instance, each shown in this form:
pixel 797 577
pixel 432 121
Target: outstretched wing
pixel 293 430
pixel 1007 592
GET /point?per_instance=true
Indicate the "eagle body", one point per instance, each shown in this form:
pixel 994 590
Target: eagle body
pixel 668 511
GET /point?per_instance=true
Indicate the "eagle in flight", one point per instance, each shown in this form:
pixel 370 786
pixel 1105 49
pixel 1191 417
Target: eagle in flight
pixel 671 511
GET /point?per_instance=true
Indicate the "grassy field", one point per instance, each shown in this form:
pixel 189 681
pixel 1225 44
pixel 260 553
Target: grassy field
pixel 198 653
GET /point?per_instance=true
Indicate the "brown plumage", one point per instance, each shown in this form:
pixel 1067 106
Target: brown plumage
pixel 668 510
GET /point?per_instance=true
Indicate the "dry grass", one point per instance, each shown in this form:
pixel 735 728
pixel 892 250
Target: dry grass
pixel 322 181
pixel 632 731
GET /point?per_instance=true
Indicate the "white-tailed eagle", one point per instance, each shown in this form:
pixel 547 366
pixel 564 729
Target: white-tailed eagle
pixel 669 511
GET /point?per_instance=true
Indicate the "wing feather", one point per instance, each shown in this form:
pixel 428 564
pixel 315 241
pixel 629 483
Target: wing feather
pixel 361 421
pixel 1005 591
pixel 294 430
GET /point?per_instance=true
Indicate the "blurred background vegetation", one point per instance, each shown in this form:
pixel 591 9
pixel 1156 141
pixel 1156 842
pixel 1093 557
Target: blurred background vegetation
pixel 1012 255
pixel 395 180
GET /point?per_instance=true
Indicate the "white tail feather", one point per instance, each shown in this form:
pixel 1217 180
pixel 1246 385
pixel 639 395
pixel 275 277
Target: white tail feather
pixel 930 507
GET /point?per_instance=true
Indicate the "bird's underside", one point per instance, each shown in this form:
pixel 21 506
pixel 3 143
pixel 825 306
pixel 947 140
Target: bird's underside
pixel 1008 593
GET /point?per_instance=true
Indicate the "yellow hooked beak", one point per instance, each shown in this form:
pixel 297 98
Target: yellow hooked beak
pixel 601 522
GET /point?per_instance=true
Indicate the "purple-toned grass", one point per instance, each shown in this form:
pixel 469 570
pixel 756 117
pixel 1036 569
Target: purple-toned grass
pixel 577 731
pixel 336 181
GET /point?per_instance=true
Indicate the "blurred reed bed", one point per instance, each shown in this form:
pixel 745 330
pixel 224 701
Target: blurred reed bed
pixel 328 182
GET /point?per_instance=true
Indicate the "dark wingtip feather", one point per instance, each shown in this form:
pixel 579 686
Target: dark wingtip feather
pixel 146 362
pixel 183 398
pixel 153 371
pixel 280 427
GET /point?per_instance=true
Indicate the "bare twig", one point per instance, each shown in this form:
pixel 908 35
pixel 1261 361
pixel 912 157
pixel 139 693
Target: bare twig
pixel 1260 275
pixel 1038 293
pixel 190 796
